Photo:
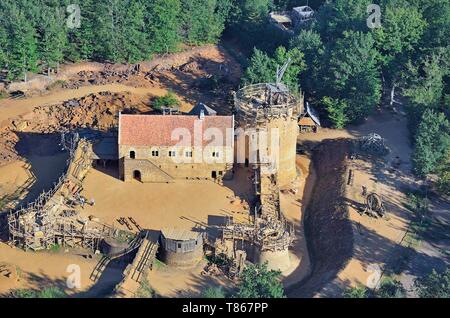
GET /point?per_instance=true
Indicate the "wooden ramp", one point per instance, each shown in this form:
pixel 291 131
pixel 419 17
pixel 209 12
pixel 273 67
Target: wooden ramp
pixel 103 263
pixel 138 269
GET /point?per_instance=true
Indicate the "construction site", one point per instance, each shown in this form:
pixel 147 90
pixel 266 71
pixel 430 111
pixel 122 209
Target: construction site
pixel 120 208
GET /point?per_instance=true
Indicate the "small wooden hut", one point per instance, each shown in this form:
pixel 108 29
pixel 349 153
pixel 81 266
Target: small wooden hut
pixel 181 248
pixel 309 121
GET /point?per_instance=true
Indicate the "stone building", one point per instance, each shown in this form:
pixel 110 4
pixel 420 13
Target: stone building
pixel 163 148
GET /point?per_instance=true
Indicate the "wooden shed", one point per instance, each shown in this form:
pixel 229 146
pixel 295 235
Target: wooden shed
pixel 309 121
pixel 181 248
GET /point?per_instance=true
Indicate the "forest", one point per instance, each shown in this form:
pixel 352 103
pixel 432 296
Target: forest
pixel 346 69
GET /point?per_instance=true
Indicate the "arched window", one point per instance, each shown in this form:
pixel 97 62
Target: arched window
pixel 132 155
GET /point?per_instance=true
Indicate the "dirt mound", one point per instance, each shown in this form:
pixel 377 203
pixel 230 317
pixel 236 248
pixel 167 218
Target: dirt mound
pixel 327 226
pixel 95 111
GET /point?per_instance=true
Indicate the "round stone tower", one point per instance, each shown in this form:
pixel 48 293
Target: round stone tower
pixel 270 110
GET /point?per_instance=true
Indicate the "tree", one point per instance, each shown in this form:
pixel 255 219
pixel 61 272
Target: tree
pixel 23 45
pixel 248 20
pixel 437 15
pixel 163 25
pixel 256 281
pixel 310 44
pixel 351 74
pixel 53 38
pixel 262 68
pixel 434 285
pixel 82 40
pixel 390 288
pixel 3 47
pixel 402 29
pixel 356 292
pixel 168 100
pixel 204 20
pixel 337 111
pixel 336 17
pixel 134 37
pixel 432 142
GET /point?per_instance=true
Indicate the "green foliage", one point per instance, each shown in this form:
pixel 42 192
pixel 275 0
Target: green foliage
pixel 204 20
pixel 168 100
pixel 55 248
pixel 163 25
pixel 248 21
pixel 49 292
pixel 443 183
pixel 426 86
pixel 432 143
pixel 213 292
pixel 337 111
pixel 434 285
pixel 52 38
pixel 311 45
pixel 145 290
pixel 263 68
pixel 390 288
pixel 356 292
pixel 336 17
pixel 402 28
pixel 352 74
pixel 220 260
pixel 256 281
pixel 34 35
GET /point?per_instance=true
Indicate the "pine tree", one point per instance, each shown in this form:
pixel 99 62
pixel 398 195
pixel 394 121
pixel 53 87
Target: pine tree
pixel 82 40
pixel 23 45
pixel 204 20
pixel 163 25
pixel 53 38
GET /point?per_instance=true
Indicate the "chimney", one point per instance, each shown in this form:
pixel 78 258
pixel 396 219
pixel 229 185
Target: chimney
pixel 202 114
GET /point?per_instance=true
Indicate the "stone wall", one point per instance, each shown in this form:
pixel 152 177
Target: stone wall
pixel 153 164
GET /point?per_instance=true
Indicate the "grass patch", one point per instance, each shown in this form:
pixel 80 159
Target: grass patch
pixel 158 265
pixel 124 236
pixel 145 290
pixel 49 292
pixel 55 248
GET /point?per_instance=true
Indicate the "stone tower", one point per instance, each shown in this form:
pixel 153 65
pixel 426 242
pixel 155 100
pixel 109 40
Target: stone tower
pixel 269 108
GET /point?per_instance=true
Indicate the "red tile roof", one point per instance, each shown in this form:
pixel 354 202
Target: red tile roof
pixel 157 130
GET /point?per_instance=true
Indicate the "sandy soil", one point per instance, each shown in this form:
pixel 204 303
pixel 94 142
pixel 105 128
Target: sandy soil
pixel 293 206
pixel 182 204
pixel 375 240
pixel 138 200
pixel 35 270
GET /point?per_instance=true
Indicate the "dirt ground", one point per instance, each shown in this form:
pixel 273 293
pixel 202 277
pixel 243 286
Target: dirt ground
pixel 375 241
pixel 188 204
pixel 28 121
